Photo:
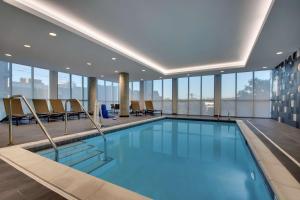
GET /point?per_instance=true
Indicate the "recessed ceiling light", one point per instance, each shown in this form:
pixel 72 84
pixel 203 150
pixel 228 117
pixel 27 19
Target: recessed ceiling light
pixel 279 52
pixel 160 77
pixel 102 76
pixel 116 71
pixel 264 67
pixel 27 46
pixel 143 70
pixel 142 79
pixel 188 74
pixel 68 68
pixel 8 55
pixel 114 58
pixel 52 34
pixel 221 71
pixel 89 64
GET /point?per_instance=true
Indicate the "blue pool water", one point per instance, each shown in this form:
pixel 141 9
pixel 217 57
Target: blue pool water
pixel 173 159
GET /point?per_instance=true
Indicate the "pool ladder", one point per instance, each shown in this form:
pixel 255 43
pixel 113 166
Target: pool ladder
pixel 37 120
pixel 97 125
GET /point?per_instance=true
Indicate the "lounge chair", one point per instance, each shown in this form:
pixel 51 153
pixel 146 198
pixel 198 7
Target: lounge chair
pixel 17 110
pixel 76 108
pixel 42 110
pixel 150 108
pixel 135 108
pixel 58 108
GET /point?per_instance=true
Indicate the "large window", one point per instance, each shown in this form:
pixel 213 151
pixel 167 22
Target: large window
pixel 228 91
pixel 115 92
pixel 262 93
pixel 77 87
pixel 108 93
pixel 85 92
pixel 22 80
pixel 195 95
pixel 247 94
pixel 4 85
pixel 148 90
pixel 207 102
pixel 101 91
pixel 41 83
pixel 135 95
pixel 244 96
pixel 167 96
pixel 157 94
pixel 183 93
pixel 64 90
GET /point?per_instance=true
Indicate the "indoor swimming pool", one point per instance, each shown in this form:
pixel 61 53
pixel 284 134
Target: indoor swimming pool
pixel 173 159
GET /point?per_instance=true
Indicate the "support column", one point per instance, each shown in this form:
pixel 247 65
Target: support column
pixel 142 100
pixel 92 93
pixel 217 102
pixel 53 80
pixel 124 94
pixel 174 95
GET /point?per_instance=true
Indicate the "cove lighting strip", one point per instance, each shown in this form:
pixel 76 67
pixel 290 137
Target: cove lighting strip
pixel 75 25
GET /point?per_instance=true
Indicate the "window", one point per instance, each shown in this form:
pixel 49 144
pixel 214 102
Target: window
pixel 22 80
pixel 157 94
pixel 85 92
pixel 194 95
pixel 101 91
pixel 115 92
pixel 41 83
pixel 136 90
pixel 77 90
pixel 244 94
pixel 182 105
pixel 167 96
pixel 108 94
pixel 207 102
pixel 148 90
pixel 228 88
pixel 4 85
pixel 64 90
pixel 262 93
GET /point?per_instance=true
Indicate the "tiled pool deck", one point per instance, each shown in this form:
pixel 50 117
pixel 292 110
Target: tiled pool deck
pixel 68 182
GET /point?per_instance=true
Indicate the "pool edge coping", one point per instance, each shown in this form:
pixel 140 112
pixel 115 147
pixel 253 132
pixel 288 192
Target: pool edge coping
pixel 281 181
pixel 276 176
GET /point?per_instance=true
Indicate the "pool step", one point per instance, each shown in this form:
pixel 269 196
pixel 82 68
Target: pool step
pixel 61 148
pixel 82 158
pixel 96 165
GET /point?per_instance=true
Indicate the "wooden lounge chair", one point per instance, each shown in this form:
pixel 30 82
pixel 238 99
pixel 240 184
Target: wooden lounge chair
pixel 150 108
pixel 42 110
pixel 135 108
pixel 17 110
pixel 76 108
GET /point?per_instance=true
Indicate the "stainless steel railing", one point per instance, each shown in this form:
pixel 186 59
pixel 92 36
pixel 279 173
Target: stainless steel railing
pixel 36 118
pixel 97 125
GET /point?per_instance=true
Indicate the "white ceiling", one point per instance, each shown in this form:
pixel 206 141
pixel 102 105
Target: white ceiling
pixel 173 33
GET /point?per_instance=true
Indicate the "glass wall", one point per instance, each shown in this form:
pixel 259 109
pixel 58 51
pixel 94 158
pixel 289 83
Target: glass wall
pixel 228 90
pixel 157 94
pixel 246 94
pixel 4 85
pixel 108 93
pixel 167 96
pixel 41 83
pixel 208 95
pixel 196 95
pixel 148 90
pixel 22 80
pixel 183 94
pixel 63 85
pixel 77 87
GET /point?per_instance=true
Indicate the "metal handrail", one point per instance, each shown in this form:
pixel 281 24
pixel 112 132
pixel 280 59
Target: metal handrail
pixel 36 118
pixel 97 125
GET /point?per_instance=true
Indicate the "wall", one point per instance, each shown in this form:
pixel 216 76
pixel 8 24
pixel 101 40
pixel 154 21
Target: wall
pixel 286 91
